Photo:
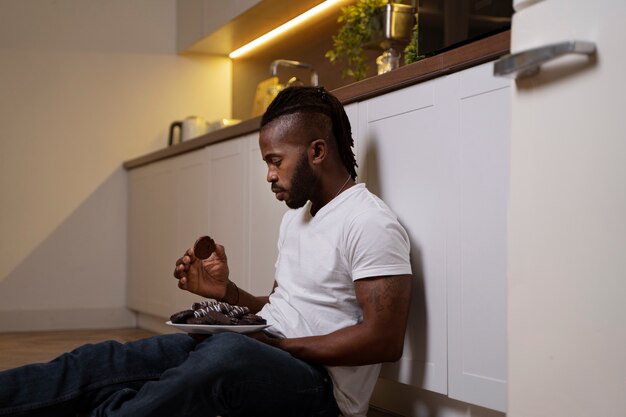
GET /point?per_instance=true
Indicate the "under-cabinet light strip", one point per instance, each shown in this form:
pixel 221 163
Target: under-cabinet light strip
pixel 283 28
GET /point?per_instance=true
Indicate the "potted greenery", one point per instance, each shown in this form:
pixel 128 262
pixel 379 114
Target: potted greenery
pixel 411 52
pixel 366 24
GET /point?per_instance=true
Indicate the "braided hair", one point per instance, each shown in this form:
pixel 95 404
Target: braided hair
pixel 317 101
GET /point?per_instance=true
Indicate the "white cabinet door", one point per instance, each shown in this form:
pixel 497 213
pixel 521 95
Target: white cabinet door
pixel 227 191
pixel 264 214
pixel 477 238
pixel 438 154
pixel 167 211
pixel 192 216
pixel 402 155
pixel 151 225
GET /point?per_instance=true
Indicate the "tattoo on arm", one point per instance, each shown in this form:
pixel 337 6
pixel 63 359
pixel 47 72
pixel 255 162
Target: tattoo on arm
pixel 392 291
pixel 375 298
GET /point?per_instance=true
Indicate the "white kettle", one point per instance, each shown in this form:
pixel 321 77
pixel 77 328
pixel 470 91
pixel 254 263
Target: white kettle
pixel 191 127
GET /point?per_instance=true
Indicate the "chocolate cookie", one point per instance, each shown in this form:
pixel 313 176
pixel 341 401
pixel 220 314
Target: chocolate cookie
pixel 211 317
pixel 204 247
pixel 237 311
pixel 221 307
pixel 250 320
pixel 181 317
pixel 212 305
pixel 201 304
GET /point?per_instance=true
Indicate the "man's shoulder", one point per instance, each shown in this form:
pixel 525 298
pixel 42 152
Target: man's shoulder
pixel 365 203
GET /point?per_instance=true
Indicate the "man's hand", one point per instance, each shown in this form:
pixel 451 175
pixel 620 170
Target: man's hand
pixel 207 278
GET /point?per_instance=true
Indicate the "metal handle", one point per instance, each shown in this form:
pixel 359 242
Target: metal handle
pixel 527 63
pixel 287 63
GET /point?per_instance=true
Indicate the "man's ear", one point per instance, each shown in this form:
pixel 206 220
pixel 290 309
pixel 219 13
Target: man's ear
pixel 318 149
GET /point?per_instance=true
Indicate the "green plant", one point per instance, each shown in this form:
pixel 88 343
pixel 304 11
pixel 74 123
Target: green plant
pixel 411 51
pixel 357 28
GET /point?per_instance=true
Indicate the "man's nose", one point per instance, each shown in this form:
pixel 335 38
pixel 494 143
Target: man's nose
pixel 271 175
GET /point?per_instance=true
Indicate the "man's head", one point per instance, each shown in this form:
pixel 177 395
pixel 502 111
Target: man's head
pixel 305 140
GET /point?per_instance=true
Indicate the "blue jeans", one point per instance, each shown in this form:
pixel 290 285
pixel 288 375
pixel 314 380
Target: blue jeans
pixel 227 374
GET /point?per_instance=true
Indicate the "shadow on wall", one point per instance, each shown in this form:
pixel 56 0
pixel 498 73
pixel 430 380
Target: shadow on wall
pixel 80 268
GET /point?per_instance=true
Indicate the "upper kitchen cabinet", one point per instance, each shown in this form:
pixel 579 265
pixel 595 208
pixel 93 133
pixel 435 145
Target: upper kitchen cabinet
pixel 206 26
pixel 198 19
pixel 220 27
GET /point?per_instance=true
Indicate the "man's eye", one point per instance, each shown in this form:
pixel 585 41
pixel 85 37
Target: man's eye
pixel 275 162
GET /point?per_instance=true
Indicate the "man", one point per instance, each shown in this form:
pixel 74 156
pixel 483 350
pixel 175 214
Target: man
pixel 338 308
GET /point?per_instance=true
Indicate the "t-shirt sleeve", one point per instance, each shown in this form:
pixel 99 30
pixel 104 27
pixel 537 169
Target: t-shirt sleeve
pixel 377 245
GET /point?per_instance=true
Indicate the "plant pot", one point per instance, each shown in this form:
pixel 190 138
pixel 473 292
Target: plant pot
pixel 391 28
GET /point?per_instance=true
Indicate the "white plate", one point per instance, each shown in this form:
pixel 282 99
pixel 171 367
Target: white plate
pixel 209 329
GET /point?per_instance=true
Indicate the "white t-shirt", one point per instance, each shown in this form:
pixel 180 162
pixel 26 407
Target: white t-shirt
pixel 354 236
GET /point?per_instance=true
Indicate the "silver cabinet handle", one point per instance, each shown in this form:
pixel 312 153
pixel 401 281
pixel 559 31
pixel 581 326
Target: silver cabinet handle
pixel 297 64
pixel 527 63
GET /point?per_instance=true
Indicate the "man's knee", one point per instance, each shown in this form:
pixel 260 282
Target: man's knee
pixel 230 349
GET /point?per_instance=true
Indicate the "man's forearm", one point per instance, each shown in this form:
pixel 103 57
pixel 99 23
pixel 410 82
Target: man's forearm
pixel 237 296
pixel 352 346
pixel 379 337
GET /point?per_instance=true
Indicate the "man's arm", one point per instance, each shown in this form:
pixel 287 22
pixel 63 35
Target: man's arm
pixel 378 338
pixel 237 296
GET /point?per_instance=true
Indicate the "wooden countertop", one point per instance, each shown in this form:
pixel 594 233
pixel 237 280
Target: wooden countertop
pixel 454 60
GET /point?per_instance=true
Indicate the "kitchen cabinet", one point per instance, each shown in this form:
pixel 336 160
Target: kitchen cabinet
pixel 403 158
pixel 263 215
pixel 226 189
pixel 477 238
pixel 219 190
pixel 196 19
pixel 437 153
pixel 166 212
pixel 220 27
pixel 190 208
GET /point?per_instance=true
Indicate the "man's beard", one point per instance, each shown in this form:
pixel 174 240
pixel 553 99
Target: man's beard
pixel 303 183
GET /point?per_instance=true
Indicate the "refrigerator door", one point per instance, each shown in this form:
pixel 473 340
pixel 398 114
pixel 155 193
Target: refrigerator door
pixel 567 218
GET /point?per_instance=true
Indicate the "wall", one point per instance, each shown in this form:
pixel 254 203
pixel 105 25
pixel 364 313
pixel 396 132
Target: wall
pixel 85 85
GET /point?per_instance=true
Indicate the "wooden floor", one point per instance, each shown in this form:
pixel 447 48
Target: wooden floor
pixel 18 349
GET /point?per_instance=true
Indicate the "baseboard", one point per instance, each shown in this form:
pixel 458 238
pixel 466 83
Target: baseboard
pixel 70 319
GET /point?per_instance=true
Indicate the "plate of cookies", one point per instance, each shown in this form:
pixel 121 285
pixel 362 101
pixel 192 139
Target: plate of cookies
pixel 212 329
pixel 208 317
